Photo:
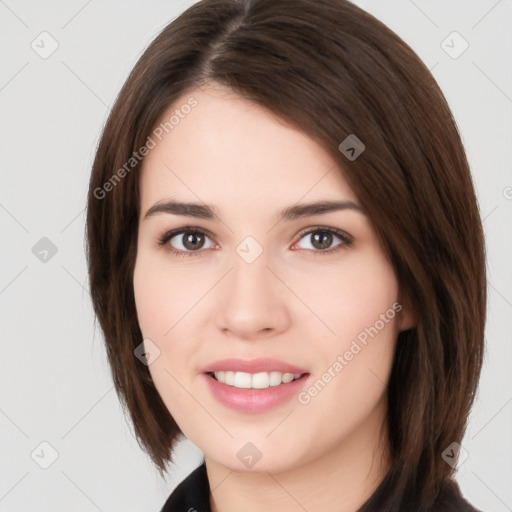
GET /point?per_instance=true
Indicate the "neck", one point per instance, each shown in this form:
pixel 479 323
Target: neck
pixel 342 480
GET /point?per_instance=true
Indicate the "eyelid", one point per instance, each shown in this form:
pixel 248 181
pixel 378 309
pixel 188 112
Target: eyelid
pixel 336 231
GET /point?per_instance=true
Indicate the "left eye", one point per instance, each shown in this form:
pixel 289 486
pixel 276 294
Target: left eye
pixel 322 239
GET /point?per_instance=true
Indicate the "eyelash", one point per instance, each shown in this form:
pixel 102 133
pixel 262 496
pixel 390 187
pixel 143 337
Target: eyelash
pixel 346 239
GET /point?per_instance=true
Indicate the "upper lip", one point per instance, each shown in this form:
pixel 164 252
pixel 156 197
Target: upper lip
pixel 252 366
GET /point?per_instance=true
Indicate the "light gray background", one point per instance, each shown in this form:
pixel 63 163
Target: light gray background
pixel 55 384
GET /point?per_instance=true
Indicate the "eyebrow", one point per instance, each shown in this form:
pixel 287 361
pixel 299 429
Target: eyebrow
pixel 204 211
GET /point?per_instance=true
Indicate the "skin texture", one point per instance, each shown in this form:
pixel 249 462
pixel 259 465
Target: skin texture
pixel 292 303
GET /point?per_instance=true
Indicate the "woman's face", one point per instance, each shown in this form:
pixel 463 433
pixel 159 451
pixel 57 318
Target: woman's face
pixel 264 287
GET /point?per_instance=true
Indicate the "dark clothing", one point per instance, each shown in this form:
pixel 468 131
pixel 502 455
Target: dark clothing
pixel 193 495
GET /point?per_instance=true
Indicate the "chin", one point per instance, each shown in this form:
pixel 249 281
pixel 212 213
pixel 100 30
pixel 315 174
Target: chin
pixel 257 456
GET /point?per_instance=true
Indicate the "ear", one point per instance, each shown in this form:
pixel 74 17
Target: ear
pixel 407 317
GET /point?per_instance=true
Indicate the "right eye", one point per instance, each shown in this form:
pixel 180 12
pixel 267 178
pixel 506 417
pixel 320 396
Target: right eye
pixel 185 242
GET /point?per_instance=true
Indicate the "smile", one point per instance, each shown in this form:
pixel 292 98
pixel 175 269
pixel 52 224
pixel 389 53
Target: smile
pixel 261 380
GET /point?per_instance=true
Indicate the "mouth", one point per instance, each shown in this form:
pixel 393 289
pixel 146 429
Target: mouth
pixel 254 385
pixel 260 380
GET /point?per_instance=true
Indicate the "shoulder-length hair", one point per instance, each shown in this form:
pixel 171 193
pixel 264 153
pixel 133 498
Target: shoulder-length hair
pixel 331 70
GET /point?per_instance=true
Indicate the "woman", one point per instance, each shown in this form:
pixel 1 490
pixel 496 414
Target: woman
pixel 287 261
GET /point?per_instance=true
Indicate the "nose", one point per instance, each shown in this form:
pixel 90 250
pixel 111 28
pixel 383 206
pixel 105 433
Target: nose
pixel 252 301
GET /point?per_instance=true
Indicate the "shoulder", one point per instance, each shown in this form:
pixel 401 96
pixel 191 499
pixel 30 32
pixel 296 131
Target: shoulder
pixel 191 495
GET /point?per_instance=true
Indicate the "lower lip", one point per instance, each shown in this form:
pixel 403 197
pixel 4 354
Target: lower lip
pixel 254 400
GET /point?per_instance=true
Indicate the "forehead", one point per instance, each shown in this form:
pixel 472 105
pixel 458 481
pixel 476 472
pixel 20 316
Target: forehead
pixel 226 149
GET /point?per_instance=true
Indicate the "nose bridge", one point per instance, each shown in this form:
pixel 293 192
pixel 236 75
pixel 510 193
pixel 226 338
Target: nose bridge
pixel 252 302
pixel 250 272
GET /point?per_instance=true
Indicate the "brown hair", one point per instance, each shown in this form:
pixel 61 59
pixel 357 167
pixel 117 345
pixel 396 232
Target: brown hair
pixel 331 70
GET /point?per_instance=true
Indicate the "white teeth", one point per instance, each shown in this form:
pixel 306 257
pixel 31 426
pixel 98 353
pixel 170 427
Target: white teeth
pixel 260 380
pixel 275 378
pixel 242 380
pixel 287 377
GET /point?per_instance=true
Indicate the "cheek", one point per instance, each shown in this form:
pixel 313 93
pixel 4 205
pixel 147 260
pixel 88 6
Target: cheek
pixel 353 297
pixel 168 304
pixel 162 300
pixel 148 293
pixel 163 294
pixel 359 305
